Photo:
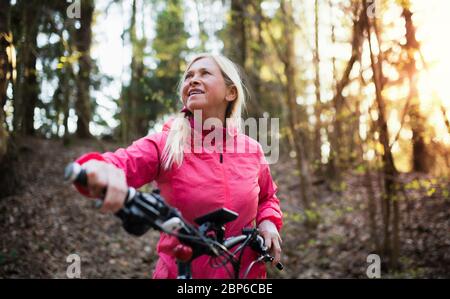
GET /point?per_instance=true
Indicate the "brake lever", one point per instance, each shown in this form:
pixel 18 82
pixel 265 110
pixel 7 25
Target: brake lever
pixel 270 258
pixel 264 252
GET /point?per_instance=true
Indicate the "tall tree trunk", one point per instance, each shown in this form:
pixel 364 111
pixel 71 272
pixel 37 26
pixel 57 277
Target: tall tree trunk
pixel 255 44
pixel 131 96
pixel 5 71
pixel 9 181
pixel 318 105
pixel 417 121
pixel 238 50
pixel 137 121
pixel 368 178
pixel 299 137
pixel 332 171
pixel 337 151
pixel 368 184
pixel 83 45
pixel 390 247
pixel 26 88
pixel 141 118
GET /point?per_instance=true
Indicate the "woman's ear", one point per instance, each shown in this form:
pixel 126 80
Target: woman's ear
pixel 231 94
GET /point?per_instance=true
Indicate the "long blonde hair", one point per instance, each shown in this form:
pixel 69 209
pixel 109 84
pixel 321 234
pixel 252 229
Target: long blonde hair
pixel 180 129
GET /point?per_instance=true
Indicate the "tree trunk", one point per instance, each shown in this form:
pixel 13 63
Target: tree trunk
pixel 390 247
pixel 332 172
pixel 5 71
pixel 417 121
pixel 318 105
pixel 238 50
pixel 371 200
pixel 255 44
pixel 137 120
pixel 26 88
pixel 291 97
pixel 337 151
pixel 83 45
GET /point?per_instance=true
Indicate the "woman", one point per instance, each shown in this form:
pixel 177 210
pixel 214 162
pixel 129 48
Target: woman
pixel 198 182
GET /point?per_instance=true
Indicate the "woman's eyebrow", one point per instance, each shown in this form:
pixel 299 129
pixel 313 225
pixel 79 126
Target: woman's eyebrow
pixel 199 70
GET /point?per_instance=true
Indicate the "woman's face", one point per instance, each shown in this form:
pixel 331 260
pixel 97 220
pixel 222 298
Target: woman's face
pixel 204 89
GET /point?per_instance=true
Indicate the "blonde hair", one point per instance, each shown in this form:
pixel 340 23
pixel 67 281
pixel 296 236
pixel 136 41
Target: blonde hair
pixel 180 129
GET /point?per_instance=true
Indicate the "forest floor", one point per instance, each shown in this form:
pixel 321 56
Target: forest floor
pixel 46 220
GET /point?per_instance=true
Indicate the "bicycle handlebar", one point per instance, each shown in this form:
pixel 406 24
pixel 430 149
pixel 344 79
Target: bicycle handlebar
pixel 142 211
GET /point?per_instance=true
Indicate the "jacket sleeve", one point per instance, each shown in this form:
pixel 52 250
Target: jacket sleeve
pixel 140 161
pixel 269 204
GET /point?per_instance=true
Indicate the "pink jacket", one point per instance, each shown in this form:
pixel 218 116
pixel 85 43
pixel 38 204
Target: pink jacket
pixel 204 182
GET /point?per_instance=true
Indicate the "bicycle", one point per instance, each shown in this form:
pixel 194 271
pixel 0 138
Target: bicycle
pixel 142 211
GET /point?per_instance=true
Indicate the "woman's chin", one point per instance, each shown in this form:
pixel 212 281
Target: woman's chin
pixel 193 105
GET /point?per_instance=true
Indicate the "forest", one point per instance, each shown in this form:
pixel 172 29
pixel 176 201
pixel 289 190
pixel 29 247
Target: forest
pixel 360 89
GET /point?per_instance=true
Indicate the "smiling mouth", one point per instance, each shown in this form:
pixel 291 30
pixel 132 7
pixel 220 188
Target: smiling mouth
pixel 195 92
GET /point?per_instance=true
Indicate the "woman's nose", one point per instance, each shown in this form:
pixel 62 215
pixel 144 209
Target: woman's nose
pixel 194 80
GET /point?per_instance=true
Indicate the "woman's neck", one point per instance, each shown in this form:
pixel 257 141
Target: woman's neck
pixel 216 119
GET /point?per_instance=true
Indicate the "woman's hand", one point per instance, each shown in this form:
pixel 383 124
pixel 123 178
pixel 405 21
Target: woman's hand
pixel 272 239
pixel 101 175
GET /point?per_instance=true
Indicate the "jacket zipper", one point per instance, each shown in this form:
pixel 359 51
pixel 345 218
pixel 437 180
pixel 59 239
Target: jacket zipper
pixel 225 182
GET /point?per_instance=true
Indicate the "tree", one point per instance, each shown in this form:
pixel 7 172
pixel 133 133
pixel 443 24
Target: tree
pixel 170 48
pixel 83 41
pixel 417 121
pixel 318 105
pixel 26 87
pixel 256 57
pixel 134 113
pixel 391 242
pixel 337 152
pixel 297 131
pixel 5 71
pixel 237 48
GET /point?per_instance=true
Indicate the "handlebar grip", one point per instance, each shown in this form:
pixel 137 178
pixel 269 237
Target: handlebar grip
pixel 264 249
pixel 74 173
pixel 279 266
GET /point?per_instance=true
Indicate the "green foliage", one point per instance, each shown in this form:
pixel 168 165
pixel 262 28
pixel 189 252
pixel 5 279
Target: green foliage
pixel 293 217
pixel 170 50
pixel 312 216
pixel 429 186
pixel 360 169
pixel 338 186
pixel 413 185
pixel 309 216
pixel 446 193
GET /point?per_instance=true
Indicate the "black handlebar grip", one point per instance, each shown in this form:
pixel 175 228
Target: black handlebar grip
pixel 279 266
pixel 263 249
pixel 75 174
